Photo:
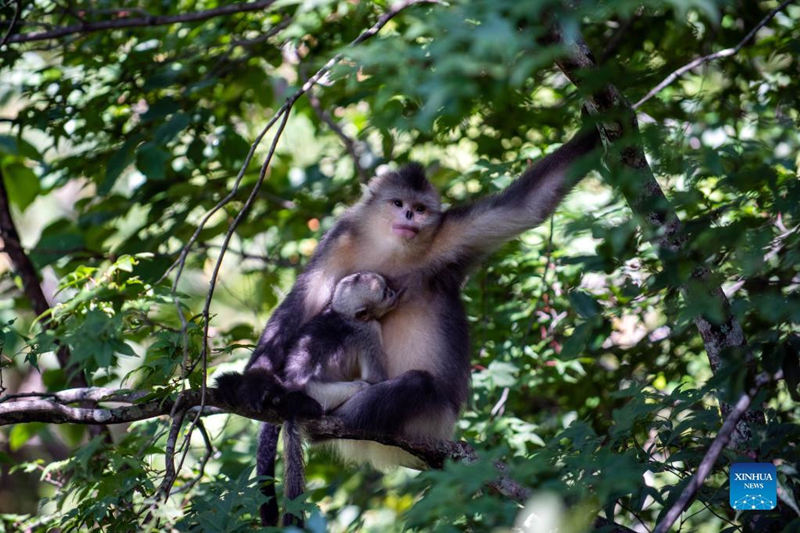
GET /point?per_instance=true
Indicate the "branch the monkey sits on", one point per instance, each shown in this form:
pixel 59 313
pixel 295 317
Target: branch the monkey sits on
pixel 399 230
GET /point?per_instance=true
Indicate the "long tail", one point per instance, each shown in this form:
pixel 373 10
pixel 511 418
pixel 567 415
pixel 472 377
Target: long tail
pixel 265 466
pixel 294 470
pixel 259 389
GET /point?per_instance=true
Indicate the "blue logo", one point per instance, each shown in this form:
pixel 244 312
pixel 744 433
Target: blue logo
pixel 754 486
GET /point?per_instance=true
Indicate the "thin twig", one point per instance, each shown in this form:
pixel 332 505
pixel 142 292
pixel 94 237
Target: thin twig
pixel 711 456
pixel 180 263
pixel 14 19
pixel 499 407
pixel 353 147
pixel 279 261
pixel 203 462
pixel 544 298
pixel 727 52
pixel 146 21
pixel 120 11
pixel 264 36
pixel 243 212
pixel 169 478
pixel 179 413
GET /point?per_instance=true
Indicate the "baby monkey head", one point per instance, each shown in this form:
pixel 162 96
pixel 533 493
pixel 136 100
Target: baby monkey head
pixel 364 296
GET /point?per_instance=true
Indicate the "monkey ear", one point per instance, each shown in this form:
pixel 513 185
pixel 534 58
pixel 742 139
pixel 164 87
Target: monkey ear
pixel 362 314
pixel 373 185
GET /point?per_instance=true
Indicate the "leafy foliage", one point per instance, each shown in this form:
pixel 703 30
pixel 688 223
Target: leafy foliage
pixel 590 380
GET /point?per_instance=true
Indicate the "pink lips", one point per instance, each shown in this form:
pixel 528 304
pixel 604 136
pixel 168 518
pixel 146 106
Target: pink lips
pixel 405 231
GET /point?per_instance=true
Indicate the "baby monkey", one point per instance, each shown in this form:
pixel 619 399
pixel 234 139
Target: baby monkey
pixel 336 354
pixel 339 352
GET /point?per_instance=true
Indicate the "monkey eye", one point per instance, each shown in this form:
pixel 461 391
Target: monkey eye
pixel 420 209
pixel 397 203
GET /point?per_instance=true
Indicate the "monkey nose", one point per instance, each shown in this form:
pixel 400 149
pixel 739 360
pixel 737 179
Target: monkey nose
pixel 409 215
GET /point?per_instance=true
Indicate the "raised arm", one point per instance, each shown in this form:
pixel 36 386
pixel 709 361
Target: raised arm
pixel 471 231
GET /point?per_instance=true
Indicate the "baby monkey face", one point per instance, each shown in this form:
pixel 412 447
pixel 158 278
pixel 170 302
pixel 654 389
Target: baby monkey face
pixel 364 296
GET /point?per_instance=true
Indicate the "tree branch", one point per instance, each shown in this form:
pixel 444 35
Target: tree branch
pixel 203 462
pixel 52 408
pixel 22 263
pixel 711 456
pixel 727 52
pixel 90 394
pixel 144 21
pixel 650 205
pixel 27 273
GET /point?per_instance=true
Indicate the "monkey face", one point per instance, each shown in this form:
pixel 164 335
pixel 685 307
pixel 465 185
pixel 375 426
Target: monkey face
pixel 404 205
pixel 364 296
pixel 409 216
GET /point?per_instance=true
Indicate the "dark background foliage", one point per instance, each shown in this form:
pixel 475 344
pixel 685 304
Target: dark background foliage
pixel 590 380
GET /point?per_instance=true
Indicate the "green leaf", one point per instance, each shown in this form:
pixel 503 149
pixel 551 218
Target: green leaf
pixel 22 184
pixel 22 433
pixel 502 374
pixel 174 125
pixel 584 304
pixel 152 161
pixel 160 109
pixel 58 240
pixel 575 345
pixel 117 163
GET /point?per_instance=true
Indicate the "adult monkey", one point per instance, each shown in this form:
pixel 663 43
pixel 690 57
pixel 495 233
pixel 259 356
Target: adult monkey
pixel 399 230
